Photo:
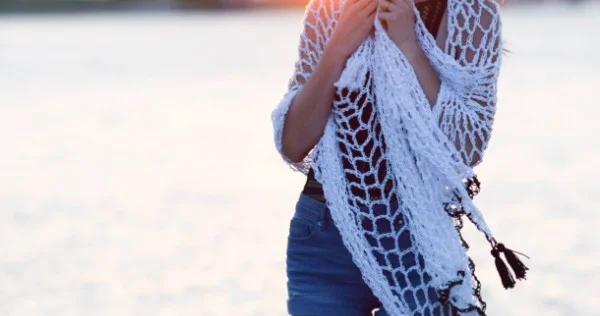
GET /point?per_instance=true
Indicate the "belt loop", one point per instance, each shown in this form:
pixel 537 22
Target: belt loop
pixel 324 219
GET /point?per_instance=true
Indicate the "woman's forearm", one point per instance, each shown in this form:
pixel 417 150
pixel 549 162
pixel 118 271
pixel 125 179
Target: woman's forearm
pixel 309 111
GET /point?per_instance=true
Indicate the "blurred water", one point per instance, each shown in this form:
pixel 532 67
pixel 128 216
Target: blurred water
pixel 138 174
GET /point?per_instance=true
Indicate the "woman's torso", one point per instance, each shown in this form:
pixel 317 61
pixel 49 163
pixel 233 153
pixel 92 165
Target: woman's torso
pixel 432 14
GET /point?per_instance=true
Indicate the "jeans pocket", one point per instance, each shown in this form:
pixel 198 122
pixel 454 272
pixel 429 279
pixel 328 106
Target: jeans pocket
pixel 301 229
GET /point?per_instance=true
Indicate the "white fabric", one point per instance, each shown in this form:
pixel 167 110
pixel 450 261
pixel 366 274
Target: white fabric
pixel 427 151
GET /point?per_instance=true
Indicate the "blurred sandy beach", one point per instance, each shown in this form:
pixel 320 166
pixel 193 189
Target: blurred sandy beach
pixel 139 175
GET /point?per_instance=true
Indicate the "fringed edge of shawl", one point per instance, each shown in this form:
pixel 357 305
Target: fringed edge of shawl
pixel 456 210
pixel 444 294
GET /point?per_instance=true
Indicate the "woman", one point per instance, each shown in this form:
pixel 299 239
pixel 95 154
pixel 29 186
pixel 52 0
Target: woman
pixel 389 108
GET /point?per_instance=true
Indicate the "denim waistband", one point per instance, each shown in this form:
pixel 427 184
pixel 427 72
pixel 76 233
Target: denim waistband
pixel 316 211
pixel 311 210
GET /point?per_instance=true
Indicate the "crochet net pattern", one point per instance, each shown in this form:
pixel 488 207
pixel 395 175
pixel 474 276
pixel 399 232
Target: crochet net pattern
pixel 385 147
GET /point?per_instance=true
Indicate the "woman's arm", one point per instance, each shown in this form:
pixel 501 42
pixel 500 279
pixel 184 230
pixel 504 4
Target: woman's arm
pixel 465 118
pixel 316 74
pixel 309 111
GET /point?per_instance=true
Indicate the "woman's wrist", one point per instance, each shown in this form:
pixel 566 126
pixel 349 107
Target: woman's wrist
pixel 336 51
pixel 335 55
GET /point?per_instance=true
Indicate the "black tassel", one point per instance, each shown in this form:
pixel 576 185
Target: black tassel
pixel 515 264
pixel 507 279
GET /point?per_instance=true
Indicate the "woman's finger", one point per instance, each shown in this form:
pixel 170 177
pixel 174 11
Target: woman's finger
pixel 404 4
pixel 365 4
pixel 370 7
pixel 386 16
pixel 390 6
pixel 384 5
pixel 350 3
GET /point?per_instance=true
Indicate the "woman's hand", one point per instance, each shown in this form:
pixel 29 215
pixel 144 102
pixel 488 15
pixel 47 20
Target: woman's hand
pixel 398 18
pixel 353 26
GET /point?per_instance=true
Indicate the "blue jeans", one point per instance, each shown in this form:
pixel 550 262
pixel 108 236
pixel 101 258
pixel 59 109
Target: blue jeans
pixel 324 281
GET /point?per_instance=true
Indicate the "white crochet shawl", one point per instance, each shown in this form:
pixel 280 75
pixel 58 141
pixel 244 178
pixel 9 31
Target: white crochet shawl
pixel 428 151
